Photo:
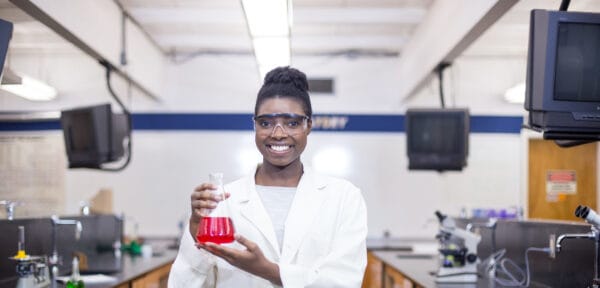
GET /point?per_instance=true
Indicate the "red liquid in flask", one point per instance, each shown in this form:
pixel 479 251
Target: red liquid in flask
pixel 216 230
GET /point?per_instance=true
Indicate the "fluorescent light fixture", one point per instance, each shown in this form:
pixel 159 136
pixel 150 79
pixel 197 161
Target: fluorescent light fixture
pixel 515 94
pixel 30 89
pixel 269 23
pixel 267 18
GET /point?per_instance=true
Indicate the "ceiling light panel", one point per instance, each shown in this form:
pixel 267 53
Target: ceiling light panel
pixel 267 17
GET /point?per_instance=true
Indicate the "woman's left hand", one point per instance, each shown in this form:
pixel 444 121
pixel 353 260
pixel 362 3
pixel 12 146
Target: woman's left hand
pixel 250 260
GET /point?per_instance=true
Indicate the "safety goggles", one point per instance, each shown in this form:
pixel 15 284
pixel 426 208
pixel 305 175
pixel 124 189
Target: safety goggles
pixel 292 124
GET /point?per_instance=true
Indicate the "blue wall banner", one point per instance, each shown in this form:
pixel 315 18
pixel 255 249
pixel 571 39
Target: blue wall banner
pixel 242 122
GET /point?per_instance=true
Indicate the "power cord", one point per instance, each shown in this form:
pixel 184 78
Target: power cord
pixel 109 69
pixel 508 278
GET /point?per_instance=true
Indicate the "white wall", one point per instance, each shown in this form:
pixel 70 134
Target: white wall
pixel 477 82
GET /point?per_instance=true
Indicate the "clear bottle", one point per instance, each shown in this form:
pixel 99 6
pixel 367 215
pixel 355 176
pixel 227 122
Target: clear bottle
pixel 75 280
pixel 217 227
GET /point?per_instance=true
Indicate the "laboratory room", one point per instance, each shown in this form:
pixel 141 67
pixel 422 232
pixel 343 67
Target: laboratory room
pixel 299 143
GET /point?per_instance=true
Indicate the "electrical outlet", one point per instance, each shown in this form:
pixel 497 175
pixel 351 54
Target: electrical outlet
pixel 552 246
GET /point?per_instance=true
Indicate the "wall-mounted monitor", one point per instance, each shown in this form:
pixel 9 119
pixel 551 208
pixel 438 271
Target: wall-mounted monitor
pixel 93 135
pixel 6 29
pixel 563 74
pixel 437 139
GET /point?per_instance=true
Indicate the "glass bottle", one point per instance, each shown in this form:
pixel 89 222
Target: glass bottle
pixel 75 280
pixel 217 227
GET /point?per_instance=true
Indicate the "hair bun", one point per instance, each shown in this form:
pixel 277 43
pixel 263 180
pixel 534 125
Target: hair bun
pixel 287 76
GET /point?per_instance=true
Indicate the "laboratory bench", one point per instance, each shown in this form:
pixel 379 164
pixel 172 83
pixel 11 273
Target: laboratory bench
pixel 139 272
pixel 409 263
pixel 378 271
pixel 392 269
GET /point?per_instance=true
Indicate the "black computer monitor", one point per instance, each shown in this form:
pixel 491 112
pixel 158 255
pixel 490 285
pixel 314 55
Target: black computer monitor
pixel 437 139
pixel 6 29
pixel 563 74
pixel 93 135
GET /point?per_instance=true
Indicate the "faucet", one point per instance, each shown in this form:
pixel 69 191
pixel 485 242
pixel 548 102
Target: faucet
pixel 491 223
pixel 591 217
pixel 10 208
pixel 54 260
pixel 84 208
pixel 561 238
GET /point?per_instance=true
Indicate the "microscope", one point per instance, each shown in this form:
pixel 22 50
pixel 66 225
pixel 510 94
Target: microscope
pixel 32 270
pixel 591 217
pixel 458 253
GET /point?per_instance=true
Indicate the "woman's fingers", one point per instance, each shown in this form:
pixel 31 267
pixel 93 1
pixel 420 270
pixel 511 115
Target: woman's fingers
pixel 205 186
pixel 206 193
pixel 203 199
pixel 210 204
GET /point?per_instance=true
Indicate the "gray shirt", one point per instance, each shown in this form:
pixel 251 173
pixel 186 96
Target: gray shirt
pixel 277 201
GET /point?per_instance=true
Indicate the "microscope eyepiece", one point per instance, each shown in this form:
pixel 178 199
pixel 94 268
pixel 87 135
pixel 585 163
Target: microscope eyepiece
pixel 588 214
pixel 582 211
pixel 440 216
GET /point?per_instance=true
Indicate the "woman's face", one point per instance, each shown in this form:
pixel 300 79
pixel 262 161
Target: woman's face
pixel 281 144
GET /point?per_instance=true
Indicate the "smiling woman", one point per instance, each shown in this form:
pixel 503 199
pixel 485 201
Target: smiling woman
pixel 296 228
pixel 281 145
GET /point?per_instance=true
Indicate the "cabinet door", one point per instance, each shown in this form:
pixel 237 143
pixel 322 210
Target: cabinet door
pixel 373 273
pixel 546 160
pixel 395 279
pixel 124 285
pixel 155 279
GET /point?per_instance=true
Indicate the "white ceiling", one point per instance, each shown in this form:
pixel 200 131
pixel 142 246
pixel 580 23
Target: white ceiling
pixel 354 28
pixel 320 27
pixel 508 37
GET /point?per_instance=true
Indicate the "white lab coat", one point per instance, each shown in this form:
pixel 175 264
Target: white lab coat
pixel 323 245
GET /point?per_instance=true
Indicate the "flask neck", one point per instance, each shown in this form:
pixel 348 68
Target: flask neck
pixel 75 269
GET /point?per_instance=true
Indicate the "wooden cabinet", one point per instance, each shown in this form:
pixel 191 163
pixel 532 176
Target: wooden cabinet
pixel 395 279
pixel 124 285
pixel 155 279
pixel 373 273
pixel 381 275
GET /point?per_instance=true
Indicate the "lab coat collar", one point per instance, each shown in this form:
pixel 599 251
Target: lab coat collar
pixel 304 208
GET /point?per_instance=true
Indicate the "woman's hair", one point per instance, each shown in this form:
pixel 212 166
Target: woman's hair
pixel 285 82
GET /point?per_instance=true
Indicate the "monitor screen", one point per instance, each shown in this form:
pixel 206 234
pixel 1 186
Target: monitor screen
pixel 6 29
pixel 80 131
pixel 93 136
pixel 563 75
pixel 577 76
pixel 437 139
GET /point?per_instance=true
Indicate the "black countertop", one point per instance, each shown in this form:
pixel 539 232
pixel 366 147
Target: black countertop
pixel 399 244
pixel 136 266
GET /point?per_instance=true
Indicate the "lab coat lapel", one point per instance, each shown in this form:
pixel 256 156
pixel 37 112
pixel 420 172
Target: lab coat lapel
pixel 303 212
pixel 252 209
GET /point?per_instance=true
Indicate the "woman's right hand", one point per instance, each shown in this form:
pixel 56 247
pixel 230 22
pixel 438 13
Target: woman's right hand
pixel 202 201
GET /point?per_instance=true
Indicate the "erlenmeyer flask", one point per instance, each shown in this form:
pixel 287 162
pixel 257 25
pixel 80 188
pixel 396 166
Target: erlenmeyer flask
pixel 217 227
